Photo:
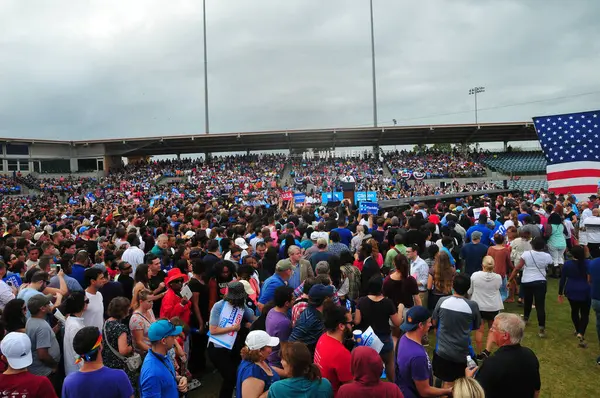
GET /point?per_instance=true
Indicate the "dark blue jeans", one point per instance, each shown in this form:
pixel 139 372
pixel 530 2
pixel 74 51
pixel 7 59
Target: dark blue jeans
pixel 596 307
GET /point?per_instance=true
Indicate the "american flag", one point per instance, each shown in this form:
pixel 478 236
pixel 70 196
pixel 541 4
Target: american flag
pixel 571 144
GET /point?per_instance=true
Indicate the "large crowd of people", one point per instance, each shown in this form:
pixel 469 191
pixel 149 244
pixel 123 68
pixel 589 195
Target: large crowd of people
pixel 138 290
pixel 431 163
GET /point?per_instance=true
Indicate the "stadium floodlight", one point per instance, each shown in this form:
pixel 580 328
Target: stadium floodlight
pixel 474 91
pixel 373 68
pixel 206 124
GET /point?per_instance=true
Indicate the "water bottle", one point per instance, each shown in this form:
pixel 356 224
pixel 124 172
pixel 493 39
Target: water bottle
pixel 471 363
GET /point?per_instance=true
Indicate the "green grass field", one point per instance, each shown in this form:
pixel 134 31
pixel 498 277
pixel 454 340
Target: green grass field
pixel 567 370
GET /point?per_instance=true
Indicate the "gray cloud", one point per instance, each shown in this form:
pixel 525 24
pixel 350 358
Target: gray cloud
pixel 100 69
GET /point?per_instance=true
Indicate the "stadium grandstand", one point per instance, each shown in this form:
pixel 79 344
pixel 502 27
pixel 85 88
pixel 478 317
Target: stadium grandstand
pixel 523 163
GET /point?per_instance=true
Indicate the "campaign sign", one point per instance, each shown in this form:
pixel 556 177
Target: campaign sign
pixel 287 195
pixel 370 339
pixel 368 207
pixel 299 197
pixel 230 316
pixel 362 196
pixel 477 211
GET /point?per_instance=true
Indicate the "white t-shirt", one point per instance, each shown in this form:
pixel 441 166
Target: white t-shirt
pixel 72 326
pixel 535 266
pixel 592 229
pixel 94 315
pixel 134 256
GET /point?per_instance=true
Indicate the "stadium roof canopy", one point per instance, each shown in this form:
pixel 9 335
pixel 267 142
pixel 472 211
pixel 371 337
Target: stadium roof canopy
pixel 309 138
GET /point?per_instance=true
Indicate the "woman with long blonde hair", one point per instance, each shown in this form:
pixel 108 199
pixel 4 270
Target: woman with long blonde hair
pixel 440 279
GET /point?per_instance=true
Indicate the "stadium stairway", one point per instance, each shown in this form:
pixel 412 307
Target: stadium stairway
pixel 286 179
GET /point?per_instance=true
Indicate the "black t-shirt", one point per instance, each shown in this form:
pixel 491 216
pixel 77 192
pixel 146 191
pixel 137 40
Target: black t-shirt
pixel 109 291
pixel 376 314
pixel 415 237
pixel 153 284
pixel 513 371
pixel 197 287
pixel 378 235
pixel 127 283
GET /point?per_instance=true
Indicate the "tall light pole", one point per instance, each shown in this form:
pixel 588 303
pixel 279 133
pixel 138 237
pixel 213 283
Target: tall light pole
pixel 206 123
pixel 373 68
pixel 474 91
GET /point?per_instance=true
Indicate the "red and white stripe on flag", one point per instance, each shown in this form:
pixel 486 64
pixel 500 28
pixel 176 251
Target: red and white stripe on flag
pixel 579 178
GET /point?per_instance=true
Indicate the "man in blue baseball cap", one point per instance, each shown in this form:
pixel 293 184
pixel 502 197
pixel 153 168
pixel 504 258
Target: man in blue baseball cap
pixel 158 378
pixel 413 367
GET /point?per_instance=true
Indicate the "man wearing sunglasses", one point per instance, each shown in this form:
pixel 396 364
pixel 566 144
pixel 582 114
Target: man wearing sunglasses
pixel 158 378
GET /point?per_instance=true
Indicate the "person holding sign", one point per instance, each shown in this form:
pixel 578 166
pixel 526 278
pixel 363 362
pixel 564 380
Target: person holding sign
pixel 227 318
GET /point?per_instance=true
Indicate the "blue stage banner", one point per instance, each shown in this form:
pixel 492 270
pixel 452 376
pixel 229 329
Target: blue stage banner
pixel 331 197
pixel 299 197
pixel 370 196
pixel 368 207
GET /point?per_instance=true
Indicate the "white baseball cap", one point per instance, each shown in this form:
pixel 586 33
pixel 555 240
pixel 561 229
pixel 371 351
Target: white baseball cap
pixel 241 243
pixel 16 347
pixel 258 339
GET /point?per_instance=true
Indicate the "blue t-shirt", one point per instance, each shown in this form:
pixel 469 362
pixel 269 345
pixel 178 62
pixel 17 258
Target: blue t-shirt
pixel 25 295
pixel 412 363
pixel 345 235
pixel 157 377
pixel 594 271
pixel 102 383
pixel 473 255
pixel 486 233
pixel 250 369
pixel 267 292
pixel 574 285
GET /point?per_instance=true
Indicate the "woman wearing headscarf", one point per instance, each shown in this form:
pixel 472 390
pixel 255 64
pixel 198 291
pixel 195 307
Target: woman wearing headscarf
pixel 367 368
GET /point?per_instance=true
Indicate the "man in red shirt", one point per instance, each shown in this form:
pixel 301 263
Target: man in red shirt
pixel 331 356
pixel 16 380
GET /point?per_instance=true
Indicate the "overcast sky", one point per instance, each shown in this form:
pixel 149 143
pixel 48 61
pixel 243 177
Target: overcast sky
pixel 105 69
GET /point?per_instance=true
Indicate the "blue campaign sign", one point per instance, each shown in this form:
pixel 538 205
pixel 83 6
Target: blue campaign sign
pixel 368 207
pixel 370 196
pixel 331 196
pixel 299 197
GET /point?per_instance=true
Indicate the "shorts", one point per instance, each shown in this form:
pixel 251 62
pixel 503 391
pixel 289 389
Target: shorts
pixel 388 344
pixel 446 370
pixel 488 315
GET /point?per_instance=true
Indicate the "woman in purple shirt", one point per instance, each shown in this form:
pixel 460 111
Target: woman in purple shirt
pixel 279 324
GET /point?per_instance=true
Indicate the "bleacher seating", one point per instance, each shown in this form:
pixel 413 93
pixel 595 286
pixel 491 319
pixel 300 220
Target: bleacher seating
pixel 517 162
pixel 524 185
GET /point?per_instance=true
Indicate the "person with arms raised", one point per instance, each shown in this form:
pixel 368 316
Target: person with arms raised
pixel 94 380
pixel 45 348
pixel 17 381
